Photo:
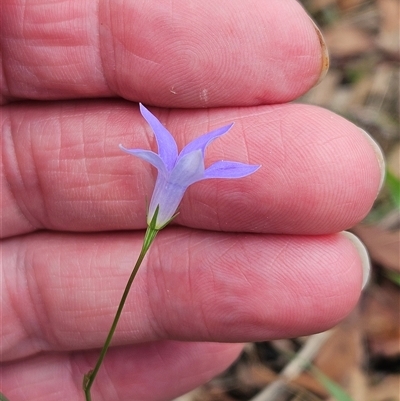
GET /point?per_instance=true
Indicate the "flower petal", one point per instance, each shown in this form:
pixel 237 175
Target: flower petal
pixel 167 148
pixel 166 196
pixel 203 141
pixel 224 169
pixel 148 156
pixel 188 169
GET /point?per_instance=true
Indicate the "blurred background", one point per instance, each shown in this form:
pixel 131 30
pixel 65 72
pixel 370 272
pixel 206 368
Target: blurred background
pixel 359 360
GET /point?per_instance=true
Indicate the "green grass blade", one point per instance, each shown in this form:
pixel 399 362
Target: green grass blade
pixel 393 276
pixel 393 185
pixel 332 387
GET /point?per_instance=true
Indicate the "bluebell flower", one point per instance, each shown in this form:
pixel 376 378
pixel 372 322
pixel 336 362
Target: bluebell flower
pixel 176 172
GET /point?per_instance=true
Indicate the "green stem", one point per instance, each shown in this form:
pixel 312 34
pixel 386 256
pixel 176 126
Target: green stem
pixel 89 377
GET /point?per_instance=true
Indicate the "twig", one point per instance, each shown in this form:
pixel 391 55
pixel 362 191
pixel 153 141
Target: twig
pixel 276 390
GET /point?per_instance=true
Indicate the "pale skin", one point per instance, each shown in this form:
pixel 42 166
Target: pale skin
pixel 246 260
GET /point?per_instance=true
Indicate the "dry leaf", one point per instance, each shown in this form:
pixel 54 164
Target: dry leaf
pixel 381 320
pixel 345 40
pixel 347 5
pixel 343 350
pixel 388 38
pixel 386 390
pixel 383 246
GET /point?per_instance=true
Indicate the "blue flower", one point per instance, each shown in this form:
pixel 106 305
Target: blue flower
pixel 176 172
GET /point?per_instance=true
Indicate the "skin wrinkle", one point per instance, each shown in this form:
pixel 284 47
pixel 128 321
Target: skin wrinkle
pixel 224 154
pixel 244 275
pixel 191 287
pixel 283 147
pixel 3 76
pixel 137 56
pixel 101 46
pixel 6 129
pixel 92 176
pixel 246 148
pixel 59 33
pixel 194 374
pixel 108 385
pixel 333 259
pixel 32 316
pixel 34 298
pixel 167 333
pixel 85 158
pixel 39 179
pixel 193 290
pixel 77 364
pixel 11 169
pixel 12 303
pixel 241 261
pixel 217 197
pixel 152 287
pixel 39 305
pixel 22 290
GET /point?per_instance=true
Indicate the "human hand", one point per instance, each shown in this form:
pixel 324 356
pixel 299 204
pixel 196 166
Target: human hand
pixel 247 260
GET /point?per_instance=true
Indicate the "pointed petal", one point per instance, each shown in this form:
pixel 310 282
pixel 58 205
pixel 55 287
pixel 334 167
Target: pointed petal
pixel 203 141
pixel 167 148
pixel 225 169
pixel 188 169
pixel 148 156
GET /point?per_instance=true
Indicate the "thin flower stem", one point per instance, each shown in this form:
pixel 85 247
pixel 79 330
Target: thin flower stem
pixel 89 377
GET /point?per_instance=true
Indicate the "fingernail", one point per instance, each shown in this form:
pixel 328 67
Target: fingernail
pixel 379 156
pixel 363 253
pixel 324 54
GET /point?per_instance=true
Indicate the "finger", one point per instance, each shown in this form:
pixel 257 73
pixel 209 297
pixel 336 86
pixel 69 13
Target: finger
pixel 63 170
pixel 148 372
pixel 61 291
pixel 189 55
